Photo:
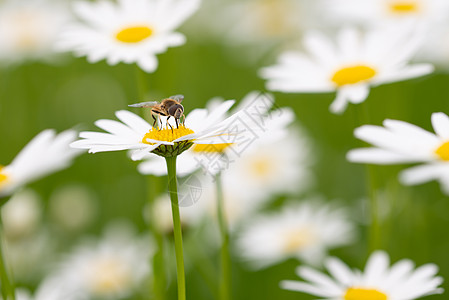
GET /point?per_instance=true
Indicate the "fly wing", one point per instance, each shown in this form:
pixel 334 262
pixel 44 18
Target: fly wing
pixel 144 104
pixel 178 98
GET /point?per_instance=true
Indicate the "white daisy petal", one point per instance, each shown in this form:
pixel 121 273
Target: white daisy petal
pixel 378 281
pixel 440 123
pixel 108 30
pixel 350 67
pixel 46 153
pixel 423 173
pixel 377 156
pixel 306 288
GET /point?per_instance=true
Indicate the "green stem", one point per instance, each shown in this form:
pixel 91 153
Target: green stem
pixel 177 230
pixel 203 265
pixel 374 229
pixel 157 263
pixel 225 279
pixel 7 285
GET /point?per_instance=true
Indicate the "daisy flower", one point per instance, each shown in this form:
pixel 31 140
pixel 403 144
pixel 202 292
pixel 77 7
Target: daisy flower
pixel 48 152
pixel 263 170
pixel 110 268
pixel 49 289
pixel 436 47
pixel 378 12
pixel 264 21
pixel 29 29
pixel 30 266
pixel 22 214
pixel 350 67
pixel 304 231
pixel 378 281
pixel 160 212
pixel 73 207
pixel 272 167
pixel 141 138
pixel 213 158
pixel 400 142
pixel 129 31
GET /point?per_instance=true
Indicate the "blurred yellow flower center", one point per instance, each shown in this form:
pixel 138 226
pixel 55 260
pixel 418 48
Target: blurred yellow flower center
pixel 3 177
pixel 297 239
pixel 166 135
pixel 211 148
pixel 134 34
pixel 353 75
pixel 443 151
pixel 364 294
pixel 109 276
pixel 261 166
pixel 403 7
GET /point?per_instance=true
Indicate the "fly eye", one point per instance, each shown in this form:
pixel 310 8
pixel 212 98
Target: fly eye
pixel 175 110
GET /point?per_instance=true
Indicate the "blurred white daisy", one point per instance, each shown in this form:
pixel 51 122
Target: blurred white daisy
pixel 213 158
pixel 29 29
pixel 304 231
pixel 350 67
pixel 272 166
pixel 129 31
pixel 48 152
pixel 139 136
pixel 259 24
pixel 378 281
pixel 111 268
pixel 379 12
pixel 400 142
pixel 262 171
pixel 73 207
pixel 161 213
pixel 436 47
pixel 30 266
pixel 21 215
pixel 49 289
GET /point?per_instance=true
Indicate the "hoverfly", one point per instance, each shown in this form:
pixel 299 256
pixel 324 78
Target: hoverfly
pixel 170 107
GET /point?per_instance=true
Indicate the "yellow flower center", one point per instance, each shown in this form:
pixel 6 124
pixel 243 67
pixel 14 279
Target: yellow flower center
pixel 353 75
pixel 110 276
pixel 443 151
pixel 166 135
pixel 3 177
pixel 364 294
pixel 404 7
pixel 134 34
pixel 261 167
pixel 297 239
pixel 211 148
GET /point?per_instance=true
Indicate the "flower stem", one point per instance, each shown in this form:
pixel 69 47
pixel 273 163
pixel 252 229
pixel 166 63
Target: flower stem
pixel 177 230
pixel 7 285
pixel 374 243
pixel 225 279
pixel 374 229
pixel 157 262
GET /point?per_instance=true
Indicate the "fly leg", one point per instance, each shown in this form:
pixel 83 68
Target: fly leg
pixel 170 124
pixel 155 120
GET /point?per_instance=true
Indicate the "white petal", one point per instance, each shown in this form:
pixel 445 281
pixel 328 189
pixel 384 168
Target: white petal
pixel 340 103
pixel 424 173
pixel 148 63
pixel 357 93
pixel 306 288
pixel 377 156
pixel 339 271
pixel 440 123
